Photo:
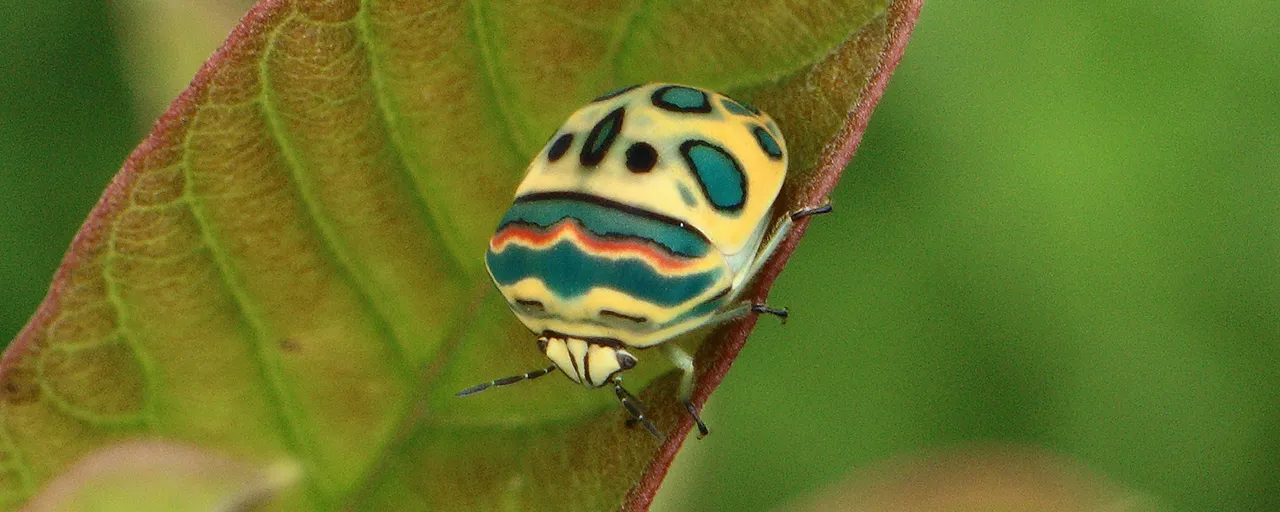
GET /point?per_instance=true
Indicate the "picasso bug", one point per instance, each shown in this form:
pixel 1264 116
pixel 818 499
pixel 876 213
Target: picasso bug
pixel 644 217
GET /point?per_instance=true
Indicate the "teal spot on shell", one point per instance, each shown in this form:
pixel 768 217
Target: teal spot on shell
pixel 686 195
pixel 570 271
pixel 605 222
pixel 678 98
pixel 767 142
pixel 719 174
pixel 735 108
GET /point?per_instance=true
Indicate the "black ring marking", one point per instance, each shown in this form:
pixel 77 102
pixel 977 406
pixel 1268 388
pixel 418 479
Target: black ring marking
pixel 693 101
pixel 601 137
pixel 721 177
pixel 641 157
pixel 559 147
pixel 735 108
pixel 767 143
pixel 750 108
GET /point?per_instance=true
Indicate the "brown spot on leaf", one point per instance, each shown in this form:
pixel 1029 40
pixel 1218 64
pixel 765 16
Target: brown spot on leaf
pixel 19 386
pixel 290 345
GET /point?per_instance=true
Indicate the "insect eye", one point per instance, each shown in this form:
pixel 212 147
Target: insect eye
pixel 641 157
pixel 626 361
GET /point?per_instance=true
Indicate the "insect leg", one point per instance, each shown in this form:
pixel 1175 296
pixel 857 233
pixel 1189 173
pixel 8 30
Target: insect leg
pixel 743 309
pixel 780 234
pixel 635 408
pixel 684 362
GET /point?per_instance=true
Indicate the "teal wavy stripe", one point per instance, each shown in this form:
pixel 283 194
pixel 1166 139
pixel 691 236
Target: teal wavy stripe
pixel 605 222
pixel 570 272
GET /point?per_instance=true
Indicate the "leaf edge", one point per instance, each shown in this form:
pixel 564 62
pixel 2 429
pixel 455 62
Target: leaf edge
pixel 902 16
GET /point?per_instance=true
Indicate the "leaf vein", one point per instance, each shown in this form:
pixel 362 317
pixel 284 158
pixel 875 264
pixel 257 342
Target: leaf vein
pixel 339 253
pixel 410 168
pixel 497 90
pixel 16 459
pixel 618 38
pixel 269 364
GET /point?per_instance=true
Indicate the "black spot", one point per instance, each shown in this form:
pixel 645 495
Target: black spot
pixel 615 314
pixel 559 147
pixel 615 93
pixel 678 98
pixel 641 157
pixel 601 137
pixel 530 303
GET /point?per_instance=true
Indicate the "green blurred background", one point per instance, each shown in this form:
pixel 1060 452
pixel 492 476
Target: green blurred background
pixel 1061 231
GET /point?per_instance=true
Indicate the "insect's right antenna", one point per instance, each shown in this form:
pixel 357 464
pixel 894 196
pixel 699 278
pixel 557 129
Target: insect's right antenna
pixel 506 380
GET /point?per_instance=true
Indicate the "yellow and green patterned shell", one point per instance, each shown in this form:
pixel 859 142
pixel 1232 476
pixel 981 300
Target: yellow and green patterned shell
pixel 642 218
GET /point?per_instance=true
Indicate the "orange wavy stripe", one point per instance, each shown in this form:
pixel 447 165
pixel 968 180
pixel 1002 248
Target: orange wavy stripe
pixel 571 230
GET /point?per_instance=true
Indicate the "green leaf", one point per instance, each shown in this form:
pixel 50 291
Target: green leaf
pixel 289 267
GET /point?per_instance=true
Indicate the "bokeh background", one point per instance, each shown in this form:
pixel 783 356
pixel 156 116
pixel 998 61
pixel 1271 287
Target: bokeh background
pixel 1061 234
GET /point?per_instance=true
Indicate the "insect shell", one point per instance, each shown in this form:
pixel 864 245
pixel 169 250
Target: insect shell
pixel 642 219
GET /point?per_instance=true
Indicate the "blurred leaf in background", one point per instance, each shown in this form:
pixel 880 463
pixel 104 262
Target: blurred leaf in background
pixel 1062 230
pixel 80 85
pixel 65 126
pixel 163 43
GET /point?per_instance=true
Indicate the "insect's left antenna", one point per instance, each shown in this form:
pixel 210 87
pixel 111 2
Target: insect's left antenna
pixel 635 409
pixel 506 380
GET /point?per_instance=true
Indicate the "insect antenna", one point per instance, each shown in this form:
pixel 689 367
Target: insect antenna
pixel 506 380
pixel 635 409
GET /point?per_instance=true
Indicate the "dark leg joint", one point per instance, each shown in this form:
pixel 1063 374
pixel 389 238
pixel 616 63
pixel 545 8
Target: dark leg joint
pixel 702 427
pixel 780 313
pixel 814 210
pixel 636 410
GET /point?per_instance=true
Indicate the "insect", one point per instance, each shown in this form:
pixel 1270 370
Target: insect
pixel 643 218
